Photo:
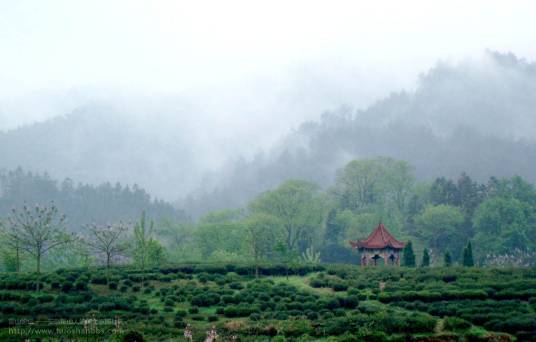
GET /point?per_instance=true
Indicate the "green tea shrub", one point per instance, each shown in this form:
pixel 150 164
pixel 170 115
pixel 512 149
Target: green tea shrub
pixel 455 324
pixel 132 336
pixel 67 286
pixel 206 299
pixel 236 286
pixel 337 287
pixel 81 285
pixel 227 299
pixel 350 302
pixel 165 278
pixel 45 298
pixel 99 280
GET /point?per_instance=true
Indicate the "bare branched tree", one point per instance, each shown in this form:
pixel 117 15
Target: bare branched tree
pixel 108 239
pixel 37 230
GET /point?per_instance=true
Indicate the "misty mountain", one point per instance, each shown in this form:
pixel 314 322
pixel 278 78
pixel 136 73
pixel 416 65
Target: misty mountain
pixel 475 116
pixel 97 143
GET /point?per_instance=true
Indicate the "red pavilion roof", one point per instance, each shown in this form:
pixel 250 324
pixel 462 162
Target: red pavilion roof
pixel 379 238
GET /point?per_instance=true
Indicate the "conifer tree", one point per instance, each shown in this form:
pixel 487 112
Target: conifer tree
pixel 448 259
pixel 425 258
pixel 468 255
pixel 409 255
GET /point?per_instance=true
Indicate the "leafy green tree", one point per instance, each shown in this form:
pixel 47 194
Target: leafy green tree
pixel 515 187
pixel 447 259
pixel 142 238
pixel 362 183
pixel 178 239
pixel 408 255
pixel 157 253
pixel 444 192
pixel 11 248
pixel 425 258
pixel 263 233
pixel 334 229
pixel 286 256
pixel 439 227
pixel 299 206
pixel 221 235
pixel 470 194
pixel 468 255
pixel 9 262
pixel 504 224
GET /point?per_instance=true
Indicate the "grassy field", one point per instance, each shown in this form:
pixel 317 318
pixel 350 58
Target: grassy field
pixel 326 303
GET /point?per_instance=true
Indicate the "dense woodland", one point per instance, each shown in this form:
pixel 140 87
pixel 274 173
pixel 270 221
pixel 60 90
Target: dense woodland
pixel 81 203
pixel 297 221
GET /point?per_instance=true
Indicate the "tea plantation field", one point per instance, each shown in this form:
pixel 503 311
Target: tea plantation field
pixel 301 303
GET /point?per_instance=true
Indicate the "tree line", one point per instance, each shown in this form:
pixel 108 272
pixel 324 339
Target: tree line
pixel 447 221
pixel 81 203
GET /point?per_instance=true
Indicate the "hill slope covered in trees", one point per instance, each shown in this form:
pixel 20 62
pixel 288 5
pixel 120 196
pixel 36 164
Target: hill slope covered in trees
pixel 470 117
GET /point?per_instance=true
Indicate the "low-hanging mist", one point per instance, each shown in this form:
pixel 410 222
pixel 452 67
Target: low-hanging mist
pixel 475 116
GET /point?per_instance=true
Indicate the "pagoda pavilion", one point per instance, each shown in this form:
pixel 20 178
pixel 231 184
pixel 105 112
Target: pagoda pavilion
pixel 380 244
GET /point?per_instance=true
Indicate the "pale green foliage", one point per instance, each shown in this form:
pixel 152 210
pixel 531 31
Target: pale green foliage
pixel 223 232
pixel 439 226
pixel 300 208
pixel 374 182
pixel 77 253
pixel 263 233
pixel 157 255
pixel 177 238
pixel 146 250
pixel 504 224
pixel 9 261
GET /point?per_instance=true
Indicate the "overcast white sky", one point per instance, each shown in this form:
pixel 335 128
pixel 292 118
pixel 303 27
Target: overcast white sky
pixel 353 51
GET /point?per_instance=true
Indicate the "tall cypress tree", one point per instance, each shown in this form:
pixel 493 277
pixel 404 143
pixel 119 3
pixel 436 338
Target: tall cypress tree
pixel 448 259
pixel 409 255
pixel 468 255
pixel 425 258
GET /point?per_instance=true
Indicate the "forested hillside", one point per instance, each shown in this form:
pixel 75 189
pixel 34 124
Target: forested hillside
pixel 471 117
